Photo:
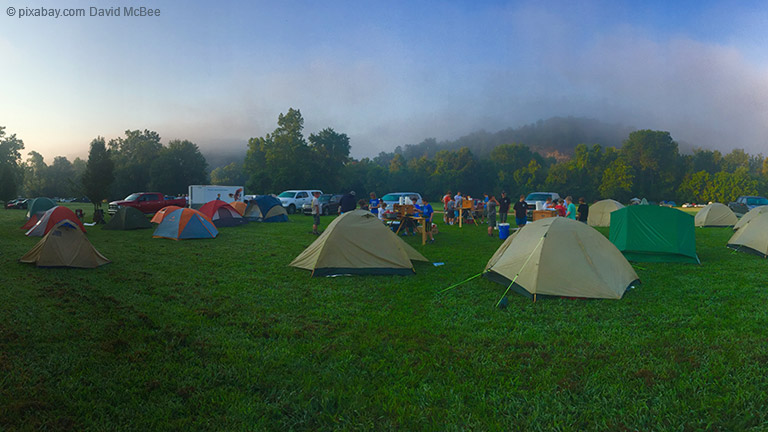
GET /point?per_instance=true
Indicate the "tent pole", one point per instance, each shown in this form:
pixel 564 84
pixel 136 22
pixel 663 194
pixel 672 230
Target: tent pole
pixel 519 271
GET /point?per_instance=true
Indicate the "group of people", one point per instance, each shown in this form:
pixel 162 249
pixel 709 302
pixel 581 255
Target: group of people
pixel 380 209
pixel 456 206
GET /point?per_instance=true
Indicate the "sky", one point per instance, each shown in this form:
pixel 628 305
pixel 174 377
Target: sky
pixel 386 73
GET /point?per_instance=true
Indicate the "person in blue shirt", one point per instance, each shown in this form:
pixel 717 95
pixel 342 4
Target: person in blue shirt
pixel 427 212
pixel 373 204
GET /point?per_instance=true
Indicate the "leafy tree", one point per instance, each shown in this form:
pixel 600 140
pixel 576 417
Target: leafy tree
pixel 694 187
pixel 133 157
pixel 60 178
pixel 654 158
pixel 35 175
pixel 231 174
pixel 7 183
pixel 617 181
pixel 99 173
pixel 177 166
pixel 11 171
pixel 726 186
pixel 330 152
pixel 281 159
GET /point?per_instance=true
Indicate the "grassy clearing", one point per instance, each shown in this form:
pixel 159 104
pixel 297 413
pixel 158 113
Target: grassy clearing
pixel 222 335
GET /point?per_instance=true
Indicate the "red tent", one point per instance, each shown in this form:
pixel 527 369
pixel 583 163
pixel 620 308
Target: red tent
pixel 50 218
pixel 31 222
pixel 222 214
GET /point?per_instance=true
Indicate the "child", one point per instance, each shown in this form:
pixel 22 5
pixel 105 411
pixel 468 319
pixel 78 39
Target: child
pixel 450 211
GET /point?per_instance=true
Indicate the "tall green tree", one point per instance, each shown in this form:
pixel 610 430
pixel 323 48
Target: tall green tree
pixel 133 157
pixel 655 160
pixel 35 175
pixel 617 181
pixel 99 173
pixel 280 160
pixel 330 152
pixel 177 166
pixel 11 171
pixel 231 175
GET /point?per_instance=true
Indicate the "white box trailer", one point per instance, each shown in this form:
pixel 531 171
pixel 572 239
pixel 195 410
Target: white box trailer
pixel 201 194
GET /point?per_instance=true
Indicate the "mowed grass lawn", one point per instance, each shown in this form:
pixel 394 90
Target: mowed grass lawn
pixel 223 335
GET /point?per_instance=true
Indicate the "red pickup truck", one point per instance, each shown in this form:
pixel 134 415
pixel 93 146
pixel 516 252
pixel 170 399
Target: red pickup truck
pixel 146 202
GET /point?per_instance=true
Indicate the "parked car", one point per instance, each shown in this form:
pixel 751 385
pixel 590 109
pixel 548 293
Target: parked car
pixel 146 202
pixel 294 199
pixel 536 200
pixel 743 204
pixel 19 203
pixel 394 198
pixel 329 204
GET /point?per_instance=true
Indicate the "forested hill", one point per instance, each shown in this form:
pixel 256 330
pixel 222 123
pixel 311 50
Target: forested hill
pixel 556 136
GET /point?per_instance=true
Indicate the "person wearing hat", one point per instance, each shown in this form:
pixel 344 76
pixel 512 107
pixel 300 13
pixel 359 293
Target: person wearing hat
pixel 347 202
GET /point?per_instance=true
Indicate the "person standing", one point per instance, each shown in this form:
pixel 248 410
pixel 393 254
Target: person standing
pixel 347 202
pixel 570 208
pixel 583 210
pixel 485 207
pixel 560 208
pixel 504 204
pixel 450 210
pixel 374 203
pixel 521 212
pixel 490 206
pixel 316 213
pixel 426 212
pixel 446 198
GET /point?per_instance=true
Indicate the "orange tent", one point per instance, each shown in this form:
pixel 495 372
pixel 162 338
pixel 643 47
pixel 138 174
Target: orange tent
pixel 222 214
pixel 239 206
pixel 50 218
pixel 158 217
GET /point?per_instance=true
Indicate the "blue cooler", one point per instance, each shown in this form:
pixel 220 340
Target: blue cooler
pixel 503 230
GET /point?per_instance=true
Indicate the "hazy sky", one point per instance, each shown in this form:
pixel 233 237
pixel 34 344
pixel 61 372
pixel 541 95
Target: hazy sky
pixel 386 73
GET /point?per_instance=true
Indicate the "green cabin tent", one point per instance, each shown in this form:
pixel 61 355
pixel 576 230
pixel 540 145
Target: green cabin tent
pixel 128 218
pixel 38 206
pixel 647 233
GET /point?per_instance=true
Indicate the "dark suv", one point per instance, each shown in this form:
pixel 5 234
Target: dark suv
pixel 329 204
pixel 743 204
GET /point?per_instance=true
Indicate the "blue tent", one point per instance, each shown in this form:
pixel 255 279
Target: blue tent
pixel 265 208
pixel 185 223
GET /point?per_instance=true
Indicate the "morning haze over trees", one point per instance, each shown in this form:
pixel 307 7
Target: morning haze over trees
pixel 573 156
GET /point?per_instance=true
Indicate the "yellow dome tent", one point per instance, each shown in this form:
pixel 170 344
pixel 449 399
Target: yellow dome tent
pixel 600 212
pixel 357 242
pixel 561 257
pixel 753 237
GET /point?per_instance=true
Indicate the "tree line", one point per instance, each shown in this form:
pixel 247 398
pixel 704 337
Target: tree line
pixel 647 164
pixel 139 161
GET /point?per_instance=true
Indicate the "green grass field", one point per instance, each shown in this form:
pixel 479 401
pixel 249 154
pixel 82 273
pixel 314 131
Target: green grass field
pixel 223 335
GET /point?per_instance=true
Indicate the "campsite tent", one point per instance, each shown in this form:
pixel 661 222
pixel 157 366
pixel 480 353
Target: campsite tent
pixel 752 237
pixel 654 234
pixel 31 222
pixel 265 208
pixel 600 212
pixel 128 218
pixel 239 206
pixel 185 223
pixel 222 214
pixel 561 257
pixel 158 217
pixel 749 216
pixel 715 215
pixel 50 218
pixel 358 243
pixel 65 245
pixel 39 206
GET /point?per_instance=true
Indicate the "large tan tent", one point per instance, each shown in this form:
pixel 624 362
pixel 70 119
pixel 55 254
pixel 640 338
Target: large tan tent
pixel 749 216
pixel 752 237
pixel 357 242
pixel 715 215
pixel 600 212
pixel 561 257
pixel 65 245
